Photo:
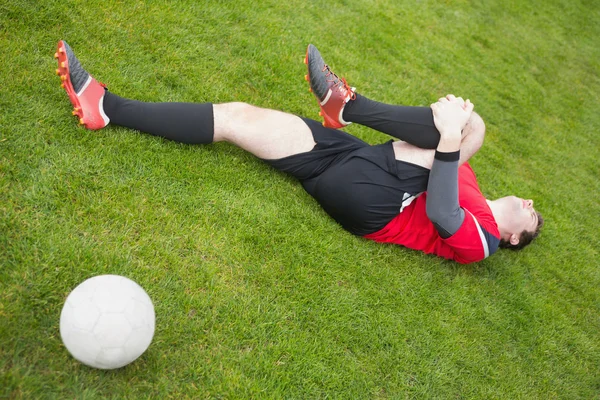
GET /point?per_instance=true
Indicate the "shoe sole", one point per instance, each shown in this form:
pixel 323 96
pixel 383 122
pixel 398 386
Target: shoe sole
pixel 65 77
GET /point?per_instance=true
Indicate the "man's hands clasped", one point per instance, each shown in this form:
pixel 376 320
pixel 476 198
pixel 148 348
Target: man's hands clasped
pixel 450 116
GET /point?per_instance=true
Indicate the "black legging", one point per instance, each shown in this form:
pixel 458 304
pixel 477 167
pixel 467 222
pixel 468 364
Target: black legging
pixel 191 123
pixel 410 124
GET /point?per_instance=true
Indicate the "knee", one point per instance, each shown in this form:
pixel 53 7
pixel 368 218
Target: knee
pixel 475 130
pixel 229 120
pixel 476 124
pixel 238 109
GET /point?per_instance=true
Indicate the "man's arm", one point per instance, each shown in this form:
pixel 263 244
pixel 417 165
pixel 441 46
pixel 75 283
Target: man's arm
pixel 450 116
pixel 442 194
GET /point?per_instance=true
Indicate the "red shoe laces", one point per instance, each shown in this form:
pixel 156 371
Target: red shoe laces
pixel 341 83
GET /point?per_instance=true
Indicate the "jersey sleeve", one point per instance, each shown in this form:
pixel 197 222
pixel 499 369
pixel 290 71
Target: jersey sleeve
pixel 472 242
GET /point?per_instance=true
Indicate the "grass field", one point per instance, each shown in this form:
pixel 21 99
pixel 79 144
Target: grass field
pixel 258 293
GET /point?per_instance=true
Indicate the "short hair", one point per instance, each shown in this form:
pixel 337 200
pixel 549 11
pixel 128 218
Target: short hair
pixel 526 236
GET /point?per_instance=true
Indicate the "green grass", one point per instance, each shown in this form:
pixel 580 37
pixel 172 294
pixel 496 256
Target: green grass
pixel 258 293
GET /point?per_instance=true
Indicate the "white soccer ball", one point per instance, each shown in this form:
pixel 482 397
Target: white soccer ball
pixel 107 322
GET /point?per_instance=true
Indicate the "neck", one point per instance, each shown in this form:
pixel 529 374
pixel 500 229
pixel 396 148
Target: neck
pixel 499 217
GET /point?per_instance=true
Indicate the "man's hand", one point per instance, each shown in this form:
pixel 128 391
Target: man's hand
pixel 450 115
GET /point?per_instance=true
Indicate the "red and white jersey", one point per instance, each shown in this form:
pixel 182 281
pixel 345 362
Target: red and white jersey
pixel 477 238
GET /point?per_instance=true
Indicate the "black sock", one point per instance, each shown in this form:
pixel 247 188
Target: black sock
pixel 410 124
pixel 182 122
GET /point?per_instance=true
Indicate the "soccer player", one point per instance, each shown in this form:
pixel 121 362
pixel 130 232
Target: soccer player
pixel 418 192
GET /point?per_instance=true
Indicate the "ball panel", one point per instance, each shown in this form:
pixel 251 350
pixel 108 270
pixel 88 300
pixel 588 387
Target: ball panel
pixel 85 315
pixel 138 342
pixel 110 295
pixel 112 330
pixel 112 358
pixel 145 298
pixel 137 314
pixel 82 345
pixel 140 293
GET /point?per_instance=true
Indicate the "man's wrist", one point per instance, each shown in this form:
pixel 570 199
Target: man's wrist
pixel 447 157
pixel 449 142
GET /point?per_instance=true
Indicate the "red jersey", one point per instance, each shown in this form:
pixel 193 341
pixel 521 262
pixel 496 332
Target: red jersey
pixel 477 238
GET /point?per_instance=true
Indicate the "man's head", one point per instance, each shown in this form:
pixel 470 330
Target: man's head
pixel 517 220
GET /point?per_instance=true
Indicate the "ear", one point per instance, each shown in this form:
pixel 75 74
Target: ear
pixel 514 239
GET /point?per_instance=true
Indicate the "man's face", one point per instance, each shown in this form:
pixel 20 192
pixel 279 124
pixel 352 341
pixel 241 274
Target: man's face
pixel 520 214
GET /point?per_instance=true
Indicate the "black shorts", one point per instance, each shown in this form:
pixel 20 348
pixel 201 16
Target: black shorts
pixel 361 186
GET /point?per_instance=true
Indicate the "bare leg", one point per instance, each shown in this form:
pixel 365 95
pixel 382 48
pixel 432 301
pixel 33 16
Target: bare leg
pixel 268 134
pixel 472 139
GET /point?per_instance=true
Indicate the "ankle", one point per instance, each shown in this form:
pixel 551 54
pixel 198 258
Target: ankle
pixel 348 111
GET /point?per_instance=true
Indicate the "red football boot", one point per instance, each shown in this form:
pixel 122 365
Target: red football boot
pixel 86 94
pixel 331 91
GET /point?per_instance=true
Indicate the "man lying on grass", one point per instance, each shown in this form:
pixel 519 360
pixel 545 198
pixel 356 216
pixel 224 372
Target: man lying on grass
pixel 418 192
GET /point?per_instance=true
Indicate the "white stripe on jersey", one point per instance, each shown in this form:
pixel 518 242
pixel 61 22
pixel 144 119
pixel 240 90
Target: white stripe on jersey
pixel 407 199
pixel 484 243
